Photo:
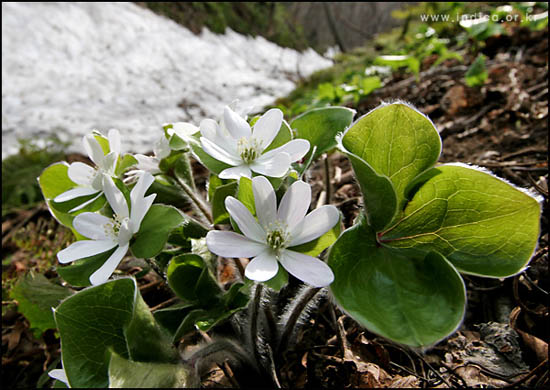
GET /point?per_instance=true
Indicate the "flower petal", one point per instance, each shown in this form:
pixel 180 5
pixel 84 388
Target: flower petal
pixel 242 217
pixel 235 124
pixel 91 225
pixel 93 148
pixel 81 173
pixel 219 153
pixel 274 166
pixel 109 162
pixel 184 130
pixel 306 268
pixel 213 132
pixel 115 197
pixel 267 127
pixel 107 269
pixel 236 172
pixel 74 193
pixel 231 244
pixel 314 225
pixel 114 141
pixel 82 205
pixel 59 374
pixel 263 267
pixel 138 192
pixel 161 148
pixel 146 163
pixel 296 149
pixel 139 211
pixel 265 200
pixel 294 204
pixel 85 248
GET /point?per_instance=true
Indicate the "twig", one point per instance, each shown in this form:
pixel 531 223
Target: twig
pixel 149 286
pixel 200 203
pixel 164 304
pixel 22 223
pixel 340 331
pixel 432 369
pixel 155 266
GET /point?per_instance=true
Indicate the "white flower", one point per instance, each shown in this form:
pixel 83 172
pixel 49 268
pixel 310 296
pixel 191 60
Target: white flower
pixel 89 180
pixel 161 150
pixel 183 130
pixel 236 144
pixel 107 233
pixel 60 375
pixel 269 238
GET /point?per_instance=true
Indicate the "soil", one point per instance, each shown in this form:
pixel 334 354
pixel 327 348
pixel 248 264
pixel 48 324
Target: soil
pixel 503 341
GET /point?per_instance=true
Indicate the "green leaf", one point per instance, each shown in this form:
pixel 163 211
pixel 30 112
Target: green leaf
pixel 399 61
pixel 168 192
pixel 370 84
pixel 124 373
pixel 54 180
pixel 283 136
pixel 483 225
pixel 278 281
pixel 155 229
pixel 183 170
pixel 320 127
pixel 36 296
pixel 413 300
pixel 219 212
pixel 78 273
pixel 183 273
pixel 111 317
pixel 396 141
pixel 246 195
pixel 477 73
pixel 124 163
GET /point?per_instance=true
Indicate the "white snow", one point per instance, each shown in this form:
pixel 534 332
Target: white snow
pixel 73 67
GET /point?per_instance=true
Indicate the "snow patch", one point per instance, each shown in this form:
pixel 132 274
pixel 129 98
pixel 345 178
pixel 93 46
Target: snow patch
pixel 69 68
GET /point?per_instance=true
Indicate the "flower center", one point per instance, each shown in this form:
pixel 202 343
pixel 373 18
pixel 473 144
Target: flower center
pixel 249 149
pixel 112 228
pixel 277 236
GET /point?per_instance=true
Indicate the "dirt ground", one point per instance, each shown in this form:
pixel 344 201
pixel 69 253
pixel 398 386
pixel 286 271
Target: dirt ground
pixel 503 342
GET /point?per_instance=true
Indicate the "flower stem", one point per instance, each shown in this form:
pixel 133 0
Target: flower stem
pixel 197 200
pixel 328 187
pixel 254 323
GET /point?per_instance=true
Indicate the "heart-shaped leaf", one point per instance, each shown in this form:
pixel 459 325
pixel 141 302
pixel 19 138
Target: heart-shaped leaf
pixel 105 318
pixel 219 212
pixel 320 127
pixel 396 141
pixel 415 300
pixel 483 225
pixel 124 373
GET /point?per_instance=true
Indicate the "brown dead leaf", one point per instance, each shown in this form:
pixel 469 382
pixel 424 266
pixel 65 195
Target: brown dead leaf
pixel 538 346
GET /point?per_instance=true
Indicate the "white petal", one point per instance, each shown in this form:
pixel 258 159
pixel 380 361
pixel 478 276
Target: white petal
pixel 236 172
pixel 184 130
pixel 162 147
pixel 85 248
pixel 267 127
pixel 115 197
pixel 294 204
pixel 107 269
pixel 314 225
pixel 273 166
pixel 306 268
pixel 242 217
pixel 93 148
pixel 265 200
pixel 231 244
pixel 296 149
pixel 74 193
pixel 235 124
pixel 219 153
pixel 91 225
pixel 114 141
pixel 81 173
pixel 139 211
pixel 141 187
pixel 125 232
pixel 81 206
pixel 263 267
pixel 108 164
pixel 213 132
pixel 59 375
pixel 145 163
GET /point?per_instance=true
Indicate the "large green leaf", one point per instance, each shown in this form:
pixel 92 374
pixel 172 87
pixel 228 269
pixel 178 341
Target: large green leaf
pixel 413 300
pixel 111 317
pixel 396 141
pixel 35 296
pixel 184 273
pixel 320 127
pixel 78 273
pixel 483 225
pixel 155 229
pixel 125 373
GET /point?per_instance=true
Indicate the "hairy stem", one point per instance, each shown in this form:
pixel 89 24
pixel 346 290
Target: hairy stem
pixel 197 200
pixel 293 318
pixel 254 314
pixel 328 187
